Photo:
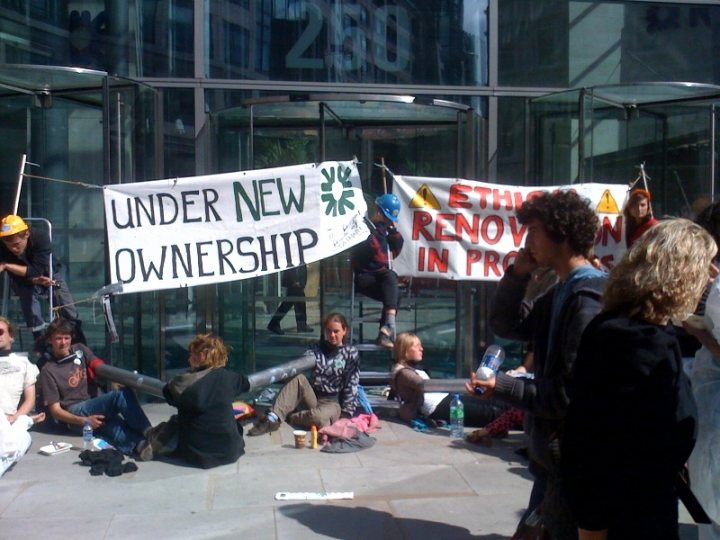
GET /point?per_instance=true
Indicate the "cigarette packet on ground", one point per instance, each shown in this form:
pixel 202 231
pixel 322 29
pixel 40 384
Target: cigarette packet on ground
pixel 313 496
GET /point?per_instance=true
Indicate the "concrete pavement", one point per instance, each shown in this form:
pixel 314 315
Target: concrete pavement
pixel 409 485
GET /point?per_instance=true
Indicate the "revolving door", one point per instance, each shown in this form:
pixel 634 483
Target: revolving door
pixel 410 136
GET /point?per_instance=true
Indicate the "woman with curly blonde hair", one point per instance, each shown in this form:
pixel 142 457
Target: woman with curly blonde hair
pixel 631 421
pixel 205 427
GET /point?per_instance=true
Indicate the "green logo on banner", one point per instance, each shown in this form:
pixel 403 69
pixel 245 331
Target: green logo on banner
pixel 337 191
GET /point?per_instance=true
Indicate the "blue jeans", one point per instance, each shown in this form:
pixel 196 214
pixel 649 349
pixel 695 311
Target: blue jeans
pixel 29 295
pixel 125 432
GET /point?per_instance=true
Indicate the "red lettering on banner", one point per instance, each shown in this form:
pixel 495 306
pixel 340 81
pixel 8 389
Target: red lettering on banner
pixel 420 221
pixel 490 264
pixel 608 261
pixel 458 197
pixel 607 230
pixel 517 231
pixel 499 229
pixel 502 196
pixel 437 261
pixel 472 256
pixel 483 193
pixel 463 226
pixel 440 224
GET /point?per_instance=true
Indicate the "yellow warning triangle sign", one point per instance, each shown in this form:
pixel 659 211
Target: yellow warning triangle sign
pixel 607 204
pixel 424 198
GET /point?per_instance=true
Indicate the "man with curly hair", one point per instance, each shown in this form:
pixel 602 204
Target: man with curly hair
pixel 561 231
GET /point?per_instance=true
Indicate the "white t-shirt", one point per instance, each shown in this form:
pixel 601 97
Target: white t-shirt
pixel 16 374
pixel 432 399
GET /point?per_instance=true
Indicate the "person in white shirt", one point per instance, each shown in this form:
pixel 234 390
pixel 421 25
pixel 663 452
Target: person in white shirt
pixel 17 399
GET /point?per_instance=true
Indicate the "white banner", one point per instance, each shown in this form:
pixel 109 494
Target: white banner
pixel 209 229
pixel 467 230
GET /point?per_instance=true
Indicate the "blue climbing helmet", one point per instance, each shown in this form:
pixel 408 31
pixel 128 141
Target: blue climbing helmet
pixel 389 204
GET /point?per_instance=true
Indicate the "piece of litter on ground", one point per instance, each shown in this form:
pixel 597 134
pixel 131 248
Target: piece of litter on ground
pixel 313 496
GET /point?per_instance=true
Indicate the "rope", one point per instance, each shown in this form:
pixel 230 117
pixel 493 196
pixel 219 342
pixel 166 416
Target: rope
pixel 73 182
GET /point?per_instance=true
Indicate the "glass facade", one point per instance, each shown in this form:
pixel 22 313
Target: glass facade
pixel 471 88
pixel 568 44
pixel 442 42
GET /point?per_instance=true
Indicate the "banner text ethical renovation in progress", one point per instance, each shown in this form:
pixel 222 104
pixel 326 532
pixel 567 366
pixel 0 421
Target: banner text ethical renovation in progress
pixel 468 230
pixel 208 229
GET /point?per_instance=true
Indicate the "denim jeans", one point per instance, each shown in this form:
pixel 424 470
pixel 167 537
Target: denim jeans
pixel 123 432
pixel 29 295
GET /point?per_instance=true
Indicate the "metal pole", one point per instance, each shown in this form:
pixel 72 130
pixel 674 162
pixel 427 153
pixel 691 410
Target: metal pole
pixel 153 386
pixel 23 159
pixel 282 372
pixel 444 385
pixel 138 381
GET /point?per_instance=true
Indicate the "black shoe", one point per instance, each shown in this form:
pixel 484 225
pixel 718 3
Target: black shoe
pixel 262 427
pixel 305 329
pixel 274 327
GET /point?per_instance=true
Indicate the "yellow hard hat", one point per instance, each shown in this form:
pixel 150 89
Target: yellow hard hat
pixel 12 225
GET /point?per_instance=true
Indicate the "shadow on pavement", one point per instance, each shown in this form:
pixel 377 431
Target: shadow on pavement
pixel 348 523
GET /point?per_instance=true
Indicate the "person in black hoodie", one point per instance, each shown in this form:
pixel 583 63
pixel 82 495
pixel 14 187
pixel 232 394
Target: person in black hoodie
pixel 631 422
pixel 207 432
pixel 561 231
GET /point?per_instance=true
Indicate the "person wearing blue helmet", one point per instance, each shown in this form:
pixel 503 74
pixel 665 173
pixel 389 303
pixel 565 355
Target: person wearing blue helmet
pixel 370 260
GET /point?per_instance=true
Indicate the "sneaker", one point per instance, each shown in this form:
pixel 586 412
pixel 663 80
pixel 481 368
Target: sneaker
pixel 145 451
pixel 384 341
pixel 480 436
pixel 263 427
pixel 305 329
pixel 275 328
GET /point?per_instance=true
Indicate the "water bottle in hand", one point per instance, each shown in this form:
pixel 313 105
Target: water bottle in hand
pixel 492 360
pixel 457 418
pixel 87 435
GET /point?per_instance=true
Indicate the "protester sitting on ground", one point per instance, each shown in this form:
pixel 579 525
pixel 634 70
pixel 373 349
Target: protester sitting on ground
pixel 407 379
pixel 294 279
pixel 638 215
pixel 631 422
pixel 15 439
pixel 561 231
pixel 25 254
pixel 17 399
pixel 512 418
pixel 704 466
pixel 115 416
pixel 331 392
pixel 205 428
pixel 17 376
pixel 370 260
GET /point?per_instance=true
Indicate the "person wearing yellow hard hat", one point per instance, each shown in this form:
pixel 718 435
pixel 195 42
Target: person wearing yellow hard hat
pixel 25 255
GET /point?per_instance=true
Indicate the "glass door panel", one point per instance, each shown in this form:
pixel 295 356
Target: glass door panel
pixel 412 139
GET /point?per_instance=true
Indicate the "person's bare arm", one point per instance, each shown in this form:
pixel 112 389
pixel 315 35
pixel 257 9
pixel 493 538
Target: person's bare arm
pixel 704 336
pixel 27 403
pixel 61 415
pixel 17 269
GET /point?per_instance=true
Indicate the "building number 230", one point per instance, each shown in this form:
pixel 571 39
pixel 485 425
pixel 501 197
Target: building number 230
pixel 390 43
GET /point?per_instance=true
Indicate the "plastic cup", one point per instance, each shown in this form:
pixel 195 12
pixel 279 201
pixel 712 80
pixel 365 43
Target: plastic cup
pixel 300 438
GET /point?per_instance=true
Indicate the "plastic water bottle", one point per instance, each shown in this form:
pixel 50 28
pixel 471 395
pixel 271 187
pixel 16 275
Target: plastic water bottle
pixel 87 435
pixel 491 361
pixel 457 418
